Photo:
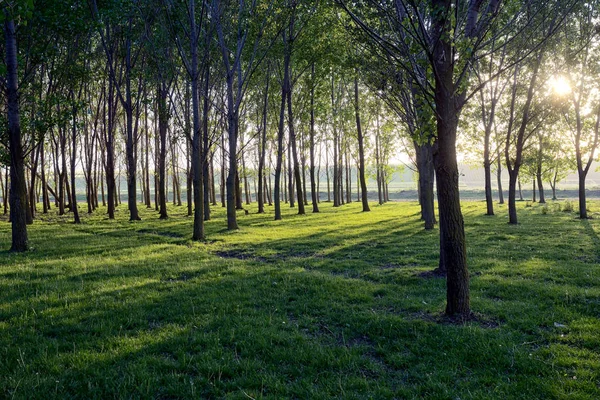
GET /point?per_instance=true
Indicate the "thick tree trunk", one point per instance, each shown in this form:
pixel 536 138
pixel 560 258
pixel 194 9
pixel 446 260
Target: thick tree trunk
pixel 453 251
pixel 18 185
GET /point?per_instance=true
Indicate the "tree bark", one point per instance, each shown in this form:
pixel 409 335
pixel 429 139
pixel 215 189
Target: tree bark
pixel 361 151
pixel 163 122
pixel 18 185
pixel 452 233
pixel 263 146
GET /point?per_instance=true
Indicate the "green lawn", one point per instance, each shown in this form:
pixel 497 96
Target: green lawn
pixel 311 307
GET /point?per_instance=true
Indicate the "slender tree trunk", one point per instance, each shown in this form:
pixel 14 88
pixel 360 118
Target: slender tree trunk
pixel 487 167
pixel 205 137
pixel 6 191
pixel 512 205
pixel 163 122
pixel 426 173
pixel 582 195
pixel 213 193
pixel 280 133
pixel 520 191
pixel 223 171
pixel 232 177
pixel 74 206
pixel 499 178
pixel 263 145
pixel 541 188
pixel 361 150
pixel 378 163
pixel 238 192
pixel 313 187
pixel 294 151
pixel 110 152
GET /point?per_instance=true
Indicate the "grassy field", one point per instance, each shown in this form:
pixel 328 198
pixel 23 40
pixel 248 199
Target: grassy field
pixel 312 307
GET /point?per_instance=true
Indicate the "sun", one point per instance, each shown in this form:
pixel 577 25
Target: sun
pixel 560 85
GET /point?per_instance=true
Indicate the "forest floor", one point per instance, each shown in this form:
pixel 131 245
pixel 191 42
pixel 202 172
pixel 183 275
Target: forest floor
pixel 329 305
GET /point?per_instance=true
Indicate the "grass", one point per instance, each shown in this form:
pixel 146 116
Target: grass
pixel 314 307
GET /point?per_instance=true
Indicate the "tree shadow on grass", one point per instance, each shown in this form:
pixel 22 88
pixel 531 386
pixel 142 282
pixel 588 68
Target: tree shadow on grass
pixel 279 332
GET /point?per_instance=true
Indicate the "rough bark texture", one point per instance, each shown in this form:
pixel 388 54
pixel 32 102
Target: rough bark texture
pixel 18 186
pixel 453 250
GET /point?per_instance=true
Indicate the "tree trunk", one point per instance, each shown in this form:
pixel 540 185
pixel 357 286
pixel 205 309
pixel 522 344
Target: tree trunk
pixel 294 150
pixel 541 188
pixel 205 139
pixel 452 233
pixel 232 180
pixel 520 191
pixel 582 199
pixel 280 133
pixel 263 147
pixel 487 167
pixel 223 171
pixel 74 207
pixel 163 123
pixel 130 143
pixel 361 151
pixel 512 204
pixel 18 186
pixel 198 153
pixel 313 186
pixel 426 173
pixel 499 178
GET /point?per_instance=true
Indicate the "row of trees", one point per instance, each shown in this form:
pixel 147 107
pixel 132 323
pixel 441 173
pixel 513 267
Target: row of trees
pixel 218 88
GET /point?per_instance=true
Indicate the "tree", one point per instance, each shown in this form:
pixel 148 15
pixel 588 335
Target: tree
pixel 18 186
pixel 582 114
